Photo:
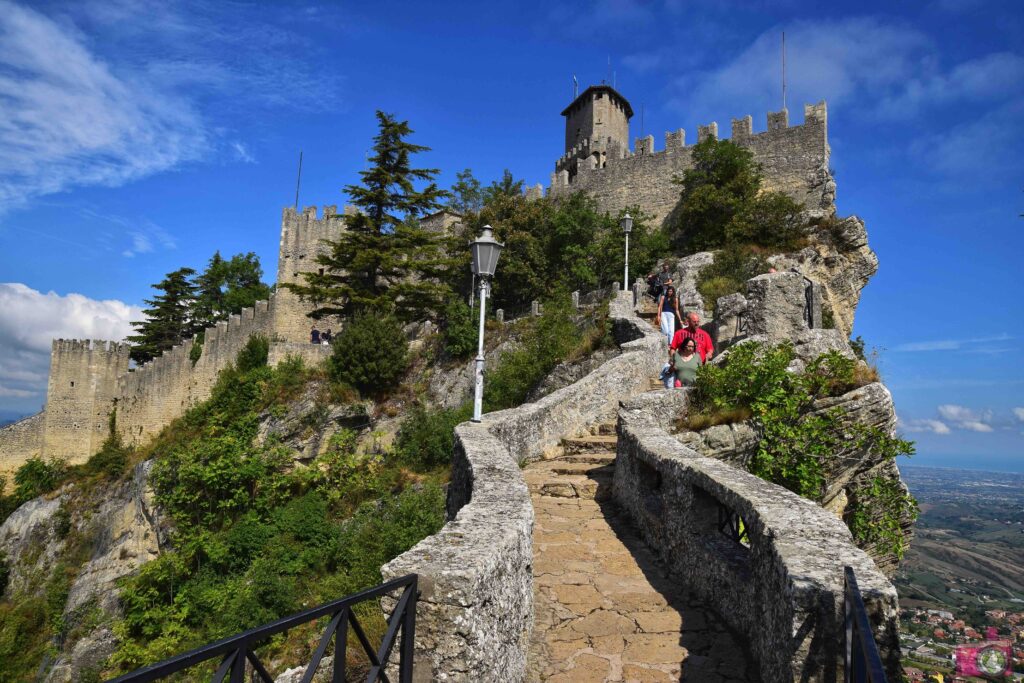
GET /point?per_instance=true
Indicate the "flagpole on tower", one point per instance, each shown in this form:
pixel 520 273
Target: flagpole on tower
pixel 783 69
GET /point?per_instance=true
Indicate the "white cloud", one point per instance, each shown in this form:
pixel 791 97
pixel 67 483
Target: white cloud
pixel 242 153
pixel 1019 413
pixel 30 320
pixel 965 418
pixel 984 147
pixel 934 426
pixel 69 119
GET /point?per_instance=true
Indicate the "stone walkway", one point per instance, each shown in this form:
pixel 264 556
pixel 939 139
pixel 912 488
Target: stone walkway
pixel 605 609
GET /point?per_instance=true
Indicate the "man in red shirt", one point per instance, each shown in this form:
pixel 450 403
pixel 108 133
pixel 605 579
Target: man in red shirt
pixel 692 329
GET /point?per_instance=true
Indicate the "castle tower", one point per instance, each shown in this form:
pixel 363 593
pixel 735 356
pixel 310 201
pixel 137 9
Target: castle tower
pixel 600 115
pixel 302 236
pixel 80 396
pixel 596 129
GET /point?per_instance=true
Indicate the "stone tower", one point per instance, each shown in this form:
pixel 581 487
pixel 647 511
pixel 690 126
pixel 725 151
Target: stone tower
pixel 301 242
pixel 80 394
pixel 596 128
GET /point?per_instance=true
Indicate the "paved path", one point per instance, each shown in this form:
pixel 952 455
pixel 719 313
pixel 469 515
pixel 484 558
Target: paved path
pixel 605 610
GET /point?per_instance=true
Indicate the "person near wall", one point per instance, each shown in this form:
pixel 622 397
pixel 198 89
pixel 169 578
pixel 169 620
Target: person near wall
pixel 314 335
pixel 326 337
pixel 692 331
pixel 664 278
pixel 668 311
pixel 684 362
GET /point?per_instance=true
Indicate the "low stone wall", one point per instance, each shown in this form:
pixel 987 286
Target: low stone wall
pixel 783 589
pixel 476 609
pixel 20 441
pixel 311 354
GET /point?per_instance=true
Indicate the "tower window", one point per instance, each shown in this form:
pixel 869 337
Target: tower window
pixel 321 271
pixel 72 384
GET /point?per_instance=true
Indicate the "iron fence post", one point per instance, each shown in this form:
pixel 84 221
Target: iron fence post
pixel 408 653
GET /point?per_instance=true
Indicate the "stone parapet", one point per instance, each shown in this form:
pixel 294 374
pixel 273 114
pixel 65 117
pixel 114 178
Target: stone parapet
pixel 782 588
pixel 476 610
pixel 20 441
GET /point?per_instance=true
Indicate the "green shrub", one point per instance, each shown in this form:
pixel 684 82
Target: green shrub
pixel 722 203
pixel 733 266
pixel 875 515
pixel 458 329
pixel 5 572
pixel 254 354
pixel 370 353
pixel 795 444
pixel 427 436
pixel 37 477
pixel 112 458
pixel 196 352
pixel 550 339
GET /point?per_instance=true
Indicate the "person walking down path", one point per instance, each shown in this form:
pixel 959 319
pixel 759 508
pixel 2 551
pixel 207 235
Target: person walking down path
pixel 692 331
pixel 684 363
pixel 668 311
pixel 664 278
pixel 314 335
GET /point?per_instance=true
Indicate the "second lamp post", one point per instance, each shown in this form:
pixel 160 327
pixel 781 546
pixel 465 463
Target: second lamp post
pixel 626 223
pixel 485 250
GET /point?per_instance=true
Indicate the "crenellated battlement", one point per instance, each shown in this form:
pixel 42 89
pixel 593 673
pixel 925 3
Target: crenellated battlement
pixel 794 160
pixel 92 346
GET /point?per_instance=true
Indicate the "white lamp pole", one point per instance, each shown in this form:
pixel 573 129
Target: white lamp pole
pixel 485 250
pixel 626 223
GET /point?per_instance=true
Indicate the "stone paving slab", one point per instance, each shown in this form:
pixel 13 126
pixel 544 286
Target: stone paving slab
pixel 604 609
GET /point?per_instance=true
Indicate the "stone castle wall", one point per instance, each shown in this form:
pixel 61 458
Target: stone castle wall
pixel 795 160
pixel 80 391
pixel 90 378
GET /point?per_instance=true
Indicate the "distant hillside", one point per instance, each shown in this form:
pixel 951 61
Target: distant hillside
pixel 968 549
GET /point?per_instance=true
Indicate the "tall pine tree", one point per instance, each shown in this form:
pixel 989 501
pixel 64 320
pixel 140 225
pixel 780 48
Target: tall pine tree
pixel 226 287
pixel 384 261
pixel 168 318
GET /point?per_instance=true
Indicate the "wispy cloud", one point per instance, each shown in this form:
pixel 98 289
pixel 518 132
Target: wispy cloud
pixel 29 319
pixel 1019 413
pixel 965 418
pixel 924 425
pixel 954 344
pixel 107 92
pixel 142 234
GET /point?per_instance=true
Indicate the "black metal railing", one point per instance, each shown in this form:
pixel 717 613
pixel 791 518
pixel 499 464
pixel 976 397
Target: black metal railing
pixel 238 653
pixel 731 525
pixel 863 663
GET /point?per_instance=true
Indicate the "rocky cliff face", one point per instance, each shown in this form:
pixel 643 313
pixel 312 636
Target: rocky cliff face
pixel 111 530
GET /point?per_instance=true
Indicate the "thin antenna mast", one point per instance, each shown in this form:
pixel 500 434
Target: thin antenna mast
pixel 783 69
pixel 575 88
pixel 298 182
pixel 608 76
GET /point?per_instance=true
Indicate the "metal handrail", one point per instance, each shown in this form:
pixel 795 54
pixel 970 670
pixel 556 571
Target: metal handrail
pixel 863 664
pixel 238 650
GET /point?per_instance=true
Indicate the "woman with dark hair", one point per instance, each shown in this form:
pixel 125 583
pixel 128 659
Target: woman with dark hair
pixel 684 362
pixel 668 311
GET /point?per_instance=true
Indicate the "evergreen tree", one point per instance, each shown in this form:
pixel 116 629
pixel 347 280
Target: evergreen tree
pixel 506 187
pixel 226 287
pixel 168 319
pixel 384 261
pixel 467 195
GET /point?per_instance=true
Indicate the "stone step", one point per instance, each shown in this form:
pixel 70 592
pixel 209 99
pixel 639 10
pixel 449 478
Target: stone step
pixel 588 487
pixel 600 443
pixel 583 468
pixel 604 429
pixel 591 458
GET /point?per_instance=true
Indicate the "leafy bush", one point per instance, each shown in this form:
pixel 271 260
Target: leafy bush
pixel 722 203
pixel 796 443
pixel 370 354
pixel 550 339
pixel 733 266
pixel 112 458
pixel 459 331
pixel 37 477
pixel 875 515
pixel 426 438
pixel 254 354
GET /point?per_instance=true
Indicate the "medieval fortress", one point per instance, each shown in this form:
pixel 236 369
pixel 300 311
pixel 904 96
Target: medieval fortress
pixel 91 378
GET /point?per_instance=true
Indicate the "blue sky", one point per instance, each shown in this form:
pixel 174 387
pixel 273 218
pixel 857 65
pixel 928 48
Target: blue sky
pixel 139 137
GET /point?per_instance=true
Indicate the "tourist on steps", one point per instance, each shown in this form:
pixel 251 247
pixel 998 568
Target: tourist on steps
pixel 326 337
pixel 693 331
pixel 314 335
pixel 668 311
pixel 684 363
pixel 664 278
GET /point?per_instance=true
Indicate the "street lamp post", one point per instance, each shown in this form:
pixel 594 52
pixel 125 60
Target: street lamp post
pixel 626 223
pixel 485 250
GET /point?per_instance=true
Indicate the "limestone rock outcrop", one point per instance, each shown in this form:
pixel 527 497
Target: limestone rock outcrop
pixel 841 261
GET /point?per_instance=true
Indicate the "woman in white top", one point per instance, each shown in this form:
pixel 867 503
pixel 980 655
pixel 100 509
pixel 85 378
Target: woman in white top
pixel 668 310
